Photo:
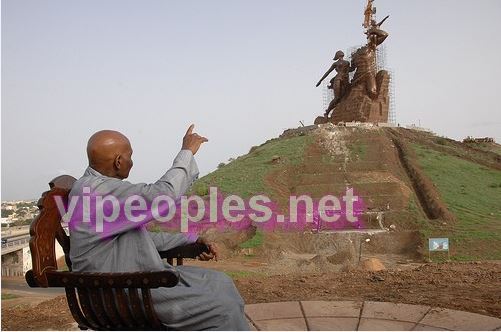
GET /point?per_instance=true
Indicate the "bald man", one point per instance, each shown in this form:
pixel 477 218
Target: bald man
pixel 203 299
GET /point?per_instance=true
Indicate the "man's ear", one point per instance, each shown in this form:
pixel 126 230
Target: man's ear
pixel 117 162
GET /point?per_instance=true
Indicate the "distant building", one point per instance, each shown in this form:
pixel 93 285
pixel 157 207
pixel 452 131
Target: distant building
pixel 6 221
pixel 414 127
pixel 470 139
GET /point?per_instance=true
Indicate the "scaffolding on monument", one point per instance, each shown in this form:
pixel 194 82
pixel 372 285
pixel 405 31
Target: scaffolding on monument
pixel 392 116
pixel 380 64
pixel 327 96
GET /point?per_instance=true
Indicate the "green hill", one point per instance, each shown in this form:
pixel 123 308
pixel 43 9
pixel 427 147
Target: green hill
pixel 419 182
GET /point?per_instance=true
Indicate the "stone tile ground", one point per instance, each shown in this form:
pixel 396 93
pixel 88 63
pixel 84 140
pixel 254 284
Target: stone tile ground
pixel 361 316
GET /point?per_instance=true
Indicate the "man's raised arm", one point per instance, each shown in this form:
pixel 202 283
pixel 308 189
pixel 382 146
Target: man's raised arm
pixel 174 183
pixel 178 179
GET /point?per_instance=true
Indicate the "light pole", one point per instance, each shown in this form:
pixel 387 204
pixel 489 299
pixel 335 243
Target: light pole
pixel 360 250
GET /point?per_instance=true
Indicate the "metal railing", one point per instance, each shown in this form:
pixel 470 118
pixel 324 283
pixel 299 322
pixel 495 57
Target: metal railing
pixel 15 243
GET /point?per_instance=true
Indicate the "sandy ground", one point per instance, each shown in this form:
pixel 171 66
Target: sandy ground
pixel 474 287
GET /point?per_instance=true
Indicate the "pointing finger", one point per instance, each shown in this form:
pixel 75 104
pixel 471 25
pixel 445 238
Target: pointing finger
pixel 190 129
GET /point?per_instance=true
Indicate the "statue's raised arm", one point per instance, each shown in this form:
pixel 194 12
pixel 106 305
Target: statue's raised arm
pixel 375 35
pixel 382 21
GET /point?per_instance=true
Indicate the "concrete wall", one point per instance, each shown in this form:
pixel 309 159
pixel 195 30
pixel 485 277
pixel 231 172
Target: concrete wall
pixel 26 259
pixel 17 263
pixel 12 264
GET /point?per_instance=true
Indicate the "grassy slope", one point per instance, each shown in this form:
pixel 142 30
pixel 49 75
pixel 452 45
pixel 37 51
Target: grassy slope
pixel 473 193
pixel 491 147
pixel 245 175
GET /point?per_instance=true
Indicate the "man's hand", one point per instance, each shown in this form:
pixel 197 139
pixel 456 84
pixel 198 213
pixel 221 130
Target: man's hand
pixel 192 141
pixel 213 251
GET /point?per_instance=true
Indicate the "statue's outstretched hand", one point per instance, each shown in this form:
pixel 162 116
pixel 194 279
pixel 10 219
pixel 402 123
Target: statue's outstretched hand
pixel 192 141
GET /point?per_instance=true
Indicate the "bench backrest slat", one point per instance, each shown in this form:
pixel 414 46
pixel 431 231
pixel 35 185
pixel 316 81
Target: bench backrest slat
pixel 46 228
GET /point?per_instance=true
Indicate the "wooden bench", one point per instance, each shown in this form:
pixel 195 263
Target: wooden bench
pixel 97 301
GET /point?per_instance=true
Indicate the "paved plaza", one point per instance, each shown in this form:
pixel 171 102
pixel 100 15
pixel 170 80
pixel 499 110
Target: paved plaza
pixel 354 315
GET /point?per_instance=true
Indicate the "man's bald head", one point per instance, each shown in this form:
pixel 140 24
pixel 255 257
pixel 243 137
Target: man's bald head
pixel 109 153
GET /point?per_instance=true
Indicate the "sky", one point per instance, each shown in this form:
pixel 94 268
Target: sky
pixel 242 71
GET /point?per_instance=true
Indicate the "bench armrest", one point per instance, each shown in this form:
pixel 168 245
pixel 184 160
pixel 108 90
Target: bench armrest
pixel 122 280
pixel 188 251
pixel 152 279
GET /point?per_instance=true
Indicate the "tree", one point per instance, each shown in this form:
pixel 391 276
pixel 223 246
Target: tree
pixel 6 213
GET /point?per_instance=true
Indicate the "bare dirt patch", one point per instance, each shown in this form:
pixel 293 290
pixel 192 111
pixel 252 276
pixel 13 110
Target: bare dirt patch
pixel 473 287
pixel 53 314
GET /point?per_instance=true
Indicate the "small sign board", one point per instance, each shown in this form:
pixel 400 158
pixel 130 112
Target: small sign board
pixel 438 244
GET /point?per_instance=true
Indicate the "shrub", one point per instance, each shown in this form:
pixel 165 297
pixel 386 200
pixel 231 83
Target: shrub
pixel 441 141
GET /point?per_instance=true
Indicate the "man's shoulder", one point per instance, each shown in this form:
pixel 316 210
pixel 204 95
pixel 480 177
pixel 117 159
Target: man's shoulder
pixel 90 181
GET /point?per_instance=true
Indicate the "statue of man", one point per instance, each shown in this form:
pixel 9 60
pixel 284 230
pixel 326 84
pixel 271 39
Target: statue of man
pixel 340 82
pixel 363 60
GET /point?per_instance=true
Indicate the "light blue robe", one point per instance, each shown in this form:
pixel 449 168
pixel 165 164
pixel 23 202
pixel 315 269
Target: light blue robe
pixel 203 299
